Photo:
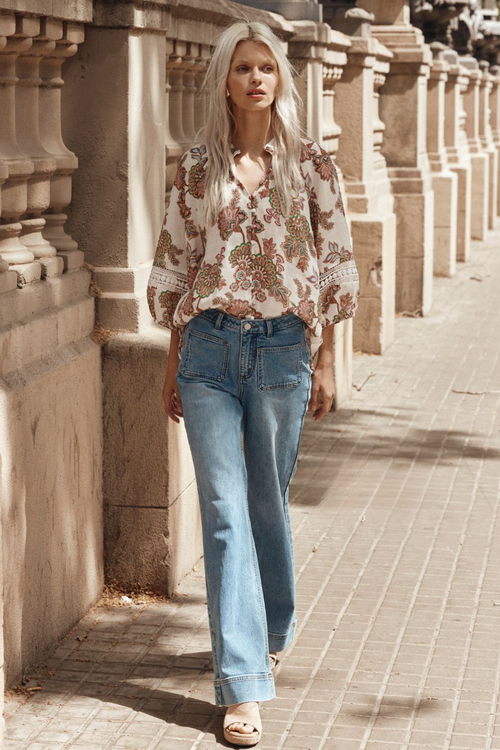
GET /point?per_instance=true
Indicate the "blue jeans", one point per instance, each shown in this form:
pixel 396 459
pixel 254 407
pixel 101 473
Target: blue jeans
pixel 244 387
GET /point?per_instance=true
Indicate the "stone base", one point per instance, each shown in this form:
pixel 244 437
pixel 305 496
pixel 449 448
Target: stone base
pixel 151 516
pixel 376 262
pixel 52 266
pixel 464 203
pixel 72 259
pixel 27 272
pixel 445 185
pixel 480 196
pixel 342 363
pixel 8 281
pixel 414 251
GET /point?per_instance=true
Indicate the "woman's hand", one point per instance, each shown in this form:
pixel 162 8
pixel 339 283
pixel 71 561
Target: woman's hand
pixel 323 384
pixel 171 397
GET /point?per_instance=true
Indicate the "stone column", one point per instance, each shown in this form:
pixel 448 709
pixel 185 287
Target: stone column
pixel 444 181
pixel 319 56
pixel 457 150
pixel 370 202
pixel 151 517
pixel 403 108
pixel 486 137
pixel 479 159
pixel 495 121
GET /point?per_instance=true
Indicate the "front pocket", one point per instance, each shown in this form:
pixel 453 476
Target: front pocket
pixel 279 366
pixel 206 356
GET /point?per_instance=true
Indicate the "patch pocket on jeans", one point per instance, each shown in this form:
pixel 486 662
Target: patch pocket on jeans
pixel 206 356
pixel 279 366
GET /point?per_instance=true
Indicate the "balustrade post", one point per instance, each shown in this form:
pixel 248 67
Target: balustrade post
pixel 403 107
pixel 486 137
pixel 444 181
pixel 20 167
pixel 479 159
pixel 68 37
pixel 495 122
pixel 370 203
pixel 28 135
pixel 457 150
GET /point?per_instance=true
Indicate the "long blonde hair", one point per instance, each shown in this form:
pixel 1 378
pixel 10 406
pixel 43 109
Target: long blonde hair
pixel 220 122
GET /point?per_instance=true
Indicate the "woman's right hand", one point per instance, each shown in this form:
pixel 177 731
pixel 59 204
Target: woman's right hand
pixel 171 397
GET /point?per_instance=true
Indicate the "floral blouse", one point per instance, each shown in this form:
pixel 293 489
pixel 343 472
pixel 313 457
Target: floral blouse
pixel 253 262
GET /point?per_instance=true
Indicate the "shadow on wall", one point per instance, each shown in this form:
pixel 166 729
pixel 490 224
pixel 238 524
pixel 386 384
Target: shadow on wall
pixel 50 443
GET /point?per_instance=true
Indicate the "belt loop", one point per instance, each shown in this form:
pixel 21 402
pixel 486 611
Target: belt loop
pixel 219 321
pixel 269 328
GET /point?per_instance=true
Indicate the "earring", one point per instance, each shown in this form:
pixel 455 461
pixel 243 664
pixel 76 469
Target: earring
pixel 227 93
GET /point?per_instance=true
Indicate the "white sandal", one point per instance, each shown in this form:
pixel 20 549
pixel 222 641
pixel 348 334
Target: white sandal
pixel 273 658
pixel 239 714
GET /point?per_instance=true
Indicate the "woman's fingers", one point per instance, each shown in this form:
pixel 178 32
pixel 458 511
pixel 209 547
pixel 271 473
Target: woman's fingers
pixel 172 402
pixel 322 395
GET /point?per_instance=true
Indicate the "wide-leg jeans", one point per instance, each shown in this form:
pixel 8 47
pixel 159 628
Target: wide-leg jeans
pixel 244 386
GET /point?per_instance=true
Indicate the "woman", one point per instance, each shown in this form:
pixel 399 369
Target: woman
pixel 252 270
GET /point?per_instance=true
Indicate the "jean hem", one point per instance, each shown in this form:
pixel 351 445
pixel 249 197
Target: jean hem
pixel 281 642
pixel 244 688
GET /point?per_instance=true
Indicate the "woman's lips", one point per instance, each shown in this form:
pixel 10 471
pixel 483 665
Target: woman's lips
pixel 256 95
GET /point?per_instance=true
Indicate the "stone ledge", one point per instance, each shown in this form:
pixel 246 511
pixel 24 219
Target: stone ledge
pixel 23 343
pixel 18 305
pixel 68 10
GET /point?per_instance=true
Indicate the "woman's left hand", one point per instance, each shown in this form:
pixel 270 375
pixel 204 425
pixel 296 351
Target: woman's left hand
pixel 323 383
pixel 322 392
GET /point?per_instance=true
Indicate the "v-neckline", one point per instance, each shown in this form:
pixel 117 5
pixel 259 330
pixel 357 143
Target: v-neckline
pixel 262 181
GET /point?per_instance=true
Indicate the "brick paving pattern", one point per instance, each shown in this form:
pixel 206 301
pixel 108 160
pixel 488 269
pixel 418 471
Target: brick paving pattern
pixel 395 514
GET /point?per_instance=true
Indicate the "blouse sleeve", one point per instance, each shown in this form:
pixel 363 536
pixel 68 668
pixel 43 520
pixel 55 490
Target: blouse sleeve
pixel 338 275
pixel 168 280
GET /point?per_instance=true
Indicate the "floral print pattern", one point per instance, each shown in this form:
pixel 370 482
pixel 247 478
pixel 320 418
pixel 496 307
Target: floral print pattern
pixel 254 262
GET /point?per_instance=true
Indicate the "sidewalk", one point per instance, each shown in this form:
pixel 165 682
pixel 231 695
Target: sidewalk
pixel 397 546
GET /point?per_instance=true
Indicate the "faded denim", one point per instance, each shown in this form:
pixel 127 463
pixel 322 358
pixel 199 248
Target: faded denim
pixel 244 387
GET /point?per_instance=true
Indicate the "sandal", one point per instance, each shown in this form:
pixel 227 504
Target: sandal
pixel 240 712
pixel 273 658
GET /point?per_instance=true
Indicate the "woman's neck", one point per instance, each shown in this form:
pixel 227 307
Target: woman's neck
pixel 253 131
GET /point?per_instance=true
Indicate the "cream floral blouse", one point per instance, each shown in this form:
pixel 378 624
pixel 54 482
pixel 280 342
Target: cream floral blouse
pixel 254 263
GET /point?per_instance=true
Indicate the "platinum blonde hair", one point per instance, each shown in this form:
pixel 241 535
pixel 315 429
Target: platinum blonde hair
pixel 220 123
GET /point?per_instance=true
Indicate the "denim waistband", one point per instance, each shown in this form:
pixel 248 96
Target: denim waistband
pixel 262 325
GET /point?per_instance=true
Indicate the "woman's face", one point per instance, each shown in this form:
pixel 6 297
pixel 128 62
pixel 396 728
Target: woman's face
pixel 253 67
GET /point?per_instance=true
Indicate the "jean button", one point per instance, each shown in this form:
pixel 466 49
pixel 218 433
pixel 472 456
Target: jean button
pixel 247 326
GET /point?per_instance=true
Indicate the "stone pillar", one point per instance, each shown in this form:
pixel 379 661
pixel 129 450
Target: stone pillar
pixel 457 150
pixel 486 137
pixel 151 517
pixel 495 122
pixel 370 202
pixel 403 108
pixel 8 278
pixel 479 160
pixel 319 56
pixel 444 181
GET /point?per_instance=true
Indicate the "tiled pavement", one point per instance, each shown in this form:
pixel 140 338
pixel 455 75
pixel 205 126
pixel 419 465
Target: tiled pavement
pixel 397 546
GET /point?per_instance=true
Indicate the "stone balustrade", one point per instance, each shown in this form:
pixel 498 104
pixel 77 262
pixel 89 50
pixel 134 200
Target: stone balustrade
pixel 36 165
